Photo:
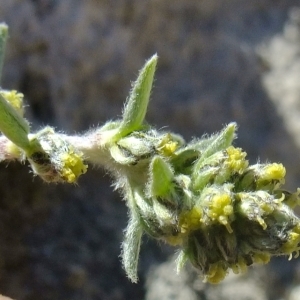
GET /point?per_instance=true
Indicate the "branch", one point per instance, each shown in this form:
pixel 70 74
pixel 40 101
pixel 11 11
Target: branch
pixel 203 196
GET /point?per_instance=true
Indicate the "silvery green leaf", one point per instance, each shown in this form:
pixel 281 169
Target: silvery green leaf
pixel 137 103
pixel 13 125
pixel 131 247
pixel 181 260
pixel 161 177
pixel 221 142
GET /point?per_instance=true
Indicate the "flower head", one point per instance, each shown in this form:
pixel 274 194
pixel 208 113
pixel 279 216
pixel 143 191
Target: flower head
pixel 54 159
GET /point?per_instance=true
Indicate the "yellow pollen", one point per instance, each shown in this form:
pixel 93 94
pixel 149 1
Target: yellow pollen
pixel 220 209
pixel 273 172
pixel 167 146
pixel 15 99
pixel 73 166
pixel 190 220
pixel 236 159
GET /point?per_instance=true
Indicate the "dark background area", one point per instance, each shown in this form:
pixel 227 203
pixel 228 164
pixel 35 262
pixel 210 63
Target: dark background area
pixel 219 61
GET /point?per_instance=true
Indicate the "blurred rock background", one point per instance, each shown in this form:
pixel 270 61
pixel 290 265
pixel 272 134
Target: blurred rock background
pixel 220 61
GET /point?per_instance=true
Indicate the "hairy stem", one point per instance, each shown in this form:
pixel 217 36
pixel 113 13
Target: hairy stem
pixel 8 151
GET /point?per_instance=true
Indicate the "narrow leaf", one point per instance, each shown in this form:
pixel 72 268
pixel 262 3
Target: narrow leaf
pixel 181 261
pixel 137 103
pixel 13 125
pixel 222 141
pixel 131 248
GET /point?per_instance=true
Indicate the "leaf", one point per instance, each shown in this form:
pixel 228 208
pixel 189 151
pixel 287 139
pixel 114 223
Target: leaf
pixel 13 125
pixel 203 177
pixel 222 141
pixel 181 260
pixel 137 103
pixel 184 160
pixel 161 177
pixel 131 247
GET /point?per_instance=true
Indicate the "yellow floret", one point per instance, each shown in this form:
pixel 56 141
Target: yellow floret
pixel 190 220
pixel 267 207
pixel 236 159
pixel 240 266
pixel 216 273
pixel 15 99
pixel 174 240
pixel 261 258
pixel 292 245
pixel 73 166
pixel 261 222
pixel 273 172
pixel 167 146
pixel 220 209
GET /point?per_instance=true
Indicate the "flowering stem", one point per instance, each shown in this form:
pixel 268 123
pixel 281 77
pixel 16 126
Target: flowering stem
pixel 202 196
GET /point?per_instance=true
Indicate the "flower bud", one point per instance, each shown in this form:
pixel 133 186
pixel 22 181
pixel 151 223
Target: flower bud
pixel 54 159
pixel 262 176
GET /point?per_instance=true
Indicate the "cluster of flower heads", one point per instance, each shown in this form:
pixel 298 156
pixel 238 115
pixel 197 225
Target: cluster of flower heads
pixel 201 196
pixel 206 198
